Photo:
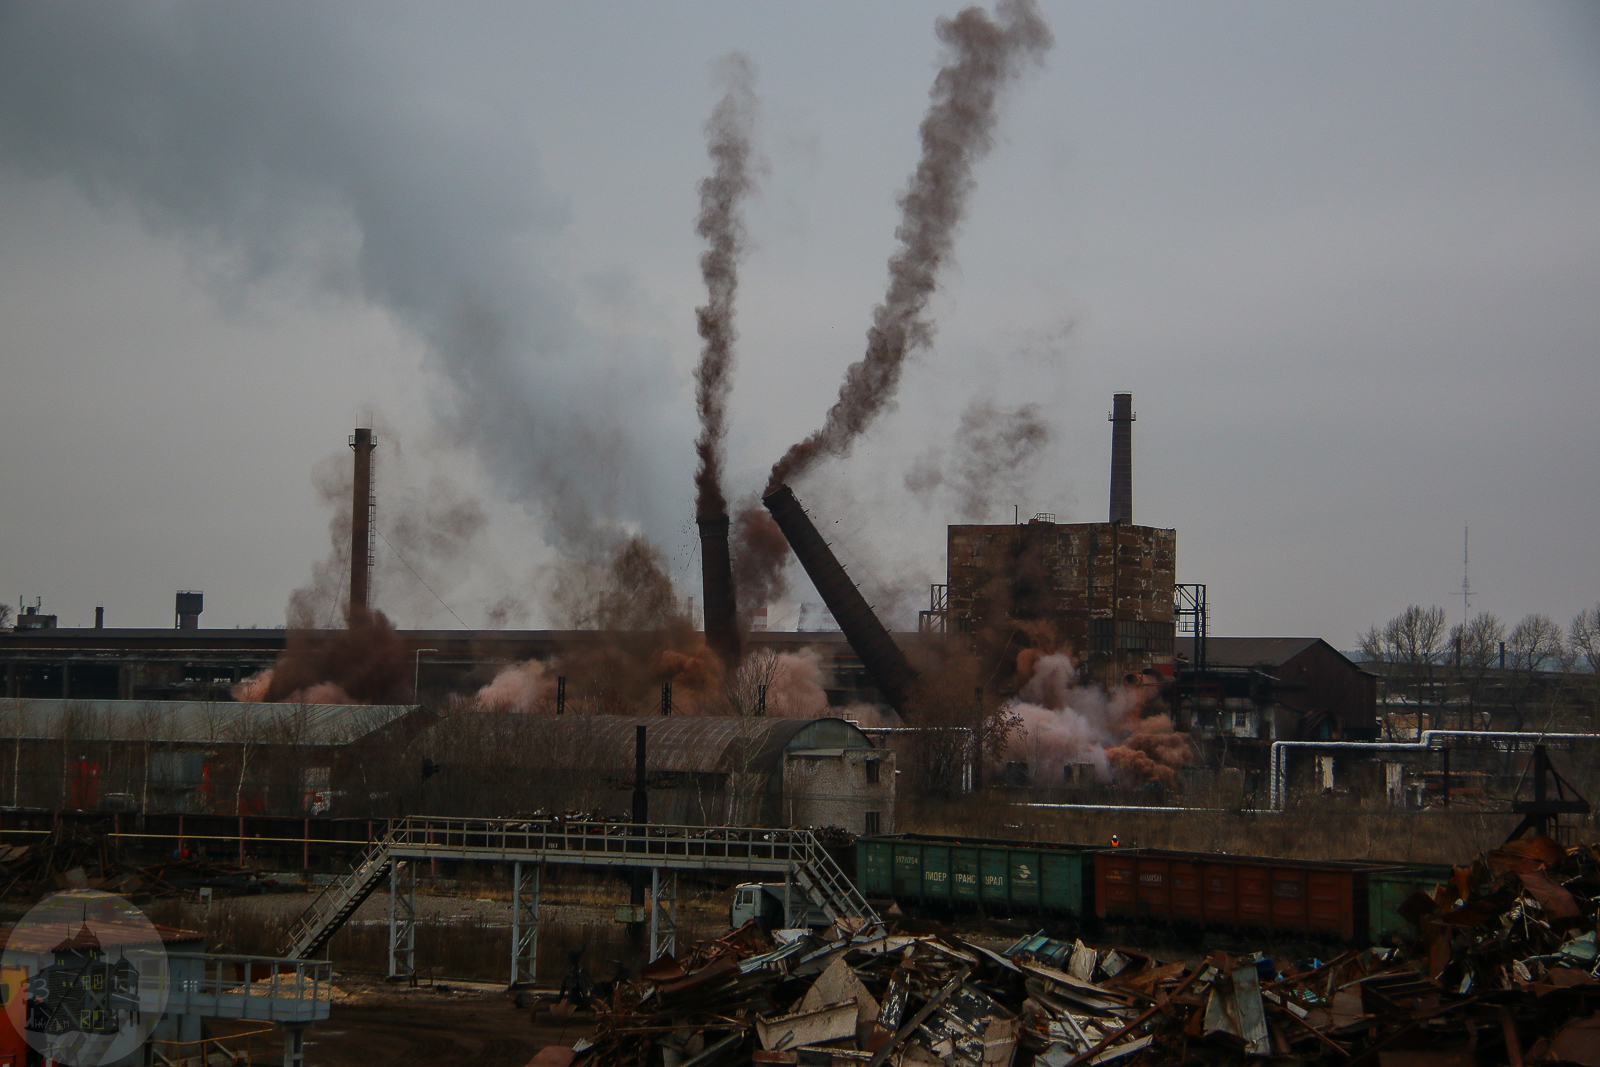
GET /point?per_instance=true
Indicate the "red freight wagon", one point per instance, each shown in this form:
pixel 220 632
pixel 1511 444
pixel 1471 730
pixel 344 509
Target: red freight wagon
pixel 1305 896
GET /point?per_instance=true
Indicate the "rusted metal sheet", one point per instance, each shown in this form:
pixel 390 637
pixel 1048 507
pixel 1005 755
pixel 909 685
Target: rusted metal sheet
pixel 830 1022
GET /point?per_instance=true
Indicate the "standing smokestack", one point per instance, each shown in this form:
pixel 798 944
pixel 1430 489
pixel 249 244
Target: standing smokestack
pixel 361 526
pixel 99 618
pixel 1122 417
pixel 716 576
pixel 886 665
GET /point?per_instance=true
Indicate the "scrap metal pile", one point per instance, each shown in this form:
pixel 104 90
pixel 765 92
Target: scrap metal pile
pixel 1502 970
pixel 76 857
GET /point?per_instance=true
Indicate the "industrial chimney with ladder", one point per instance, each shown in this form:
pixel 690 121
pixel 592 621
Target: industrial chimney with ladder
pixel 1122 418
pixel 361 507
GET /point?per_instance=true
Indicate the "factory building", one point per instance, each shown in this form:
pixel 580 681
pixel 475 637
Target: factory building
pixel 1273 689
pixel 206 757
pixel 1104 590
pixel 700 770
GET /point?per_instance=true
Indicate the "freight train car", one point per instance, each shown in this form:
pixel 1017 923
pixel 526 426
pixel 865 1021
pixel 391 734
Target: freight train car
pixel 925 869
pixel 1388 889
pixel 1314 897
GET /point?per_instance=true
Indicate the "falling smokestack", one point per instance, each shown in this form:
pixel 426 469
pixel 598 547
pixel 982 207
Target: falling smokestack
pixel 361 526
pixel 1122 417
pixel 886 665
pixel 716 576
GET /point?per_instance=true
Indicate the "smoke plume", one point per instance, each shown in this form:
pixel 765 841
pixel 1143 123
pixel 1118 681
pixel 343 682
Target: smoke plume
pixel 958 130
pixel 429 536
pixel 293 147
pixel 645 637
pixel 722 225
pixel 993 454
pixel 365 664
pixel 1063 723
pixel 760 558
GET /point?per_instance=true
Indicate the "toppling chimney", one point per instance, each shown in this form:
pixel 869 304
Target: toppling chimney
pixel 1122 417
pixel 361 527
pixel 716 578
pixel 885 663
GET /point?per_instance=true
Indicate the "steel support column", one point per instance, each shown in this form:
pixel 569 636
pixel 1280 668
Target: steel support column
pixel 526 878
pixel 790 900
pixel 294 1044
pixel 402 919
pixel 663 913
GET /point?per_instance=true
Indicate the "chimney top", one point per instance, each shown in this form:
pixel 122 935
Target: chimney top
pixel 1122 417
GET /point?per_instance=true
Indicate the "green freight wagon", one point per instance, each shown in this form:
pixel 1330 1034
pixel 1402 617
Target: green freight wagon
pixel 955 872
pixel 1387 890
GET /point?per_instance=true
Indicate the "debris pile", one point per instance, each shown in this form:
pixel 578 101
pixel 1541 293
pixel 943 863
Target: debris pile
pixel 1502 969
pixel 76 857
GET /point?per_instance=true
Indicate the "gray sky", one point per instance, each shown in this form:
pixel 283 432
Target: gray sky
pixel 1345 256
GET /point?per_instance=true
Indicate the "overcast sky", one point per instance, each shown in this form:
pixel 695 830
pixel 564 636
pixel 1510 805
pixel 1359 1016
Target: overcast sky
pixel 1346 257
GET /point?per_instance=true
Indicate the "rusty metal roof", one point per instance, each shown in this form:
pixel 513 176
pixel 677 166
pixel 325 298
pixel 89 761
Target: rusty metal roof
pixel 199 722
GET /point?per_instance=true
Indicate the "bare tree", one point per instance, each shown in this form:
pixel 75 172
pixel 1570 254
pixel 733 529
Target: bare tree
pixel 1583 644
pixel 1474 650
pixel 1584 637
pixel 1408 647
pixel 17 708
pixel 244 731
pixel 1534 645
pixel 745 687
pixel 5 615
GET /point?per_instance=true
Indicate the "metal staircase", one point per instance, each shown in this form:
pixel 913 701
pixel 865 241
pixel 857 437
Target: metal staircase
pixel 825 885
pixel 317 925
pixel 794 854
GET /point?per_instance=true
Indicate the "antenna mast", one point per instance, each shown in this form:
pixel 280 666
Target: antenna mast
pixel 1466 575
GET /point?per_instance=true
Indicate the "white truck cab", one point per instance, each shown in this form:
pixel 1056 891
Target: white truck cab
pixel 762 902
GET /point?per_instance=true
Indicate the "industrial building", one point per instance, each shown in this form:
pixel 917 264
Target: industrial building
pixel 206 756
pixel 1104 590
pixel 700 770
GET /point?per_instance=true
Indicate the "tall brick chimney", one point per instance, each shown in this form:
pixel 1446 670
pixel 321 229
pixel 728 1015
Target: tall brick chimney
pixel 361 526
pixel 1122 417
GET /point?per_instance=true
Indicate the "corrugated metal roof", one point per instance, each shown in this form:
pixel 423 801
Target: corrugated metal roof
pixel 197 721
pixel 1248 651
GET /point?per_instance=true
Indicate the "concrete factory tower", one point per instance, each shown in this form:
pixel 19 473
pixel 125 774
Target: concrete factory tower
pixel 361 526
pixel 1122 417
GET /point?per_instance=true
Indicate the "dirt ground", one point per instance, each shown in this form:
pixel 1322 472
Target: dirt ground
pixel 372 1022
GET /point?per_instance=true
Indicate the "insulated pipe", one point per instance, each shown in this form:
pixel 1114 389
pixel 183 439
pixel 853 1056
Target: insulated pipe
pixel 716 583
pixel 1424 742
pixel 885 663
pixel 1122 807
